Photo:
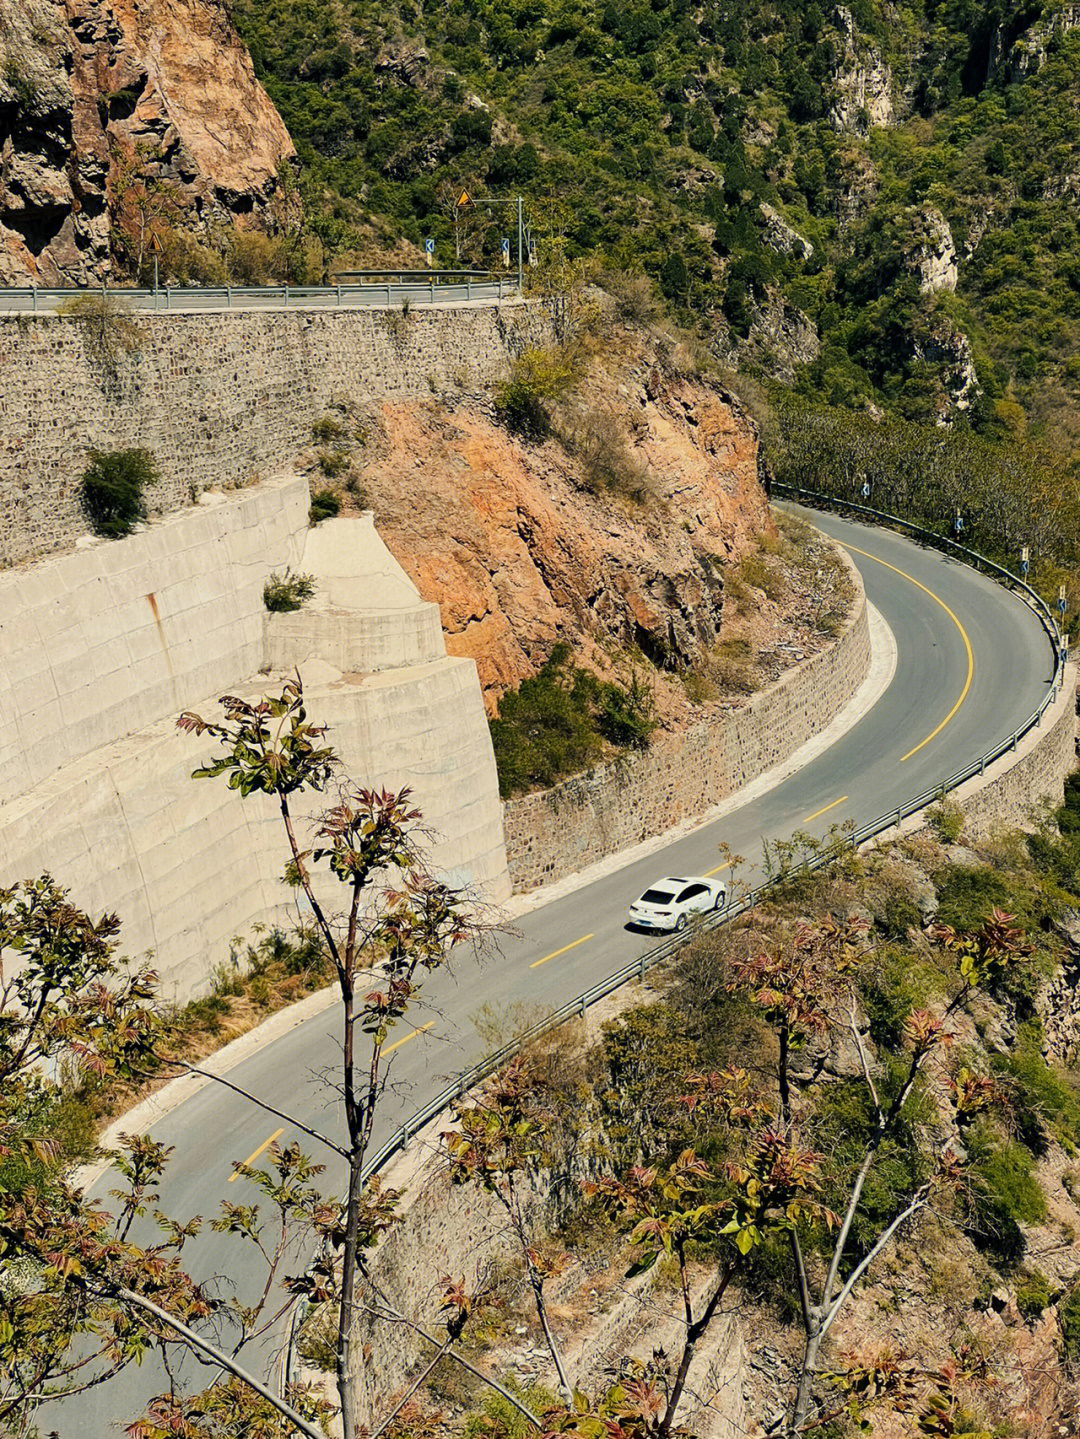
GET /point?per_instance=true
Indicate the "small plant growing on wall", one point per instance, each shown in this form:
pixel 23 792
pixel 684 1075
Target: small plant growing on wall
pixel 284 592
pixel 114 485
pixel 324 505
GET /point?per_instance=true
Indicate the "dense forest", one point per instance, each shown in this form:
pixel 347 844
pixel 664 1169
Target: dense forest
pixel 874 202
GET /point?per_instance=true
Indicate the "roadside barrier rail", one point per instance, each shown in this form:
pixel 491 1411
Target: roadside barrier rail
pixel 637 969
pixel 462 288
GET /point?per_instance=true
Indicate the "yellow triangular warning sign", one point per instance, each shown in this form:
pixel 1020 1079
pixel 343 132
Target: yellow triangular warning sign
pixel 466 199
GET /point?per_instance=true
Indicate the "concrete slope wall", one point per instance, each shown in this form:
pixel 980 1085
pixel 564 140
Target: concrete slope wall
pixel 96 644
pixel 558 831
pixel 218 398
pixel 103 797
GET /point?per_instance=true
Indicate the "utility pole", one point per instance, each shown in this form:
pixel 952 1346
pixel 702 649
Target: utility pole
pixel 518 201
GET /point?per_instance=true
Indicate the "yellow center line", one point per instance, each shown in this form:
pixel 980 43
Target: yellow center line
pixel 729 864
pixel 252 1157
pixel 405 1039
pixel 963 635
pixel 826 810
pixel 538 962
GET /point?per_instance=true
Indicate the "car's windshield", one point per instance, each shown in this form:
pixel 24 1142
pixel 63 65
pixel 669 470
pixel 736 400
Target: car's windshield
pixel 658 896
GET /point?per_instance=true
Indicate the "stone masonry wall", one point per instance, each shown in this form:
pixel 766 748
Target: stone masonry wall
pixel 1032 775
pixel 217 397
pixel 561 830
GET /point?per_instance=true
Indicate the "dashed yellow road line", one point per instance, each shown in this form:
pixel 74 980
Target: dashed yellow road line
pixel 728 864
pixel 826 810
pixel 963 635
pixel 405 1039
pixel 555 954
pixel 252 1157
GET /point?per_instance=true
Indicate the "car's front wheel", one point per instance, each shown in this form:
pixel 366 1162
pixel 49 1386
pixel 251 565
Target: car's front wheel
pixel 720 900
pixel 680 923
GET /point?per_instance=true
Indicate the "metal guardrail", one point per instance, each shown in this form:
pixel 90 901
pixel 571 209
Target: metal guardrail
pixel 33 300
pixel 639 967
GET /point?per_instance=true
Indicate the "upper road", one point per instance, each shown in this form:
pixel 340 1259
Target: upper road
pixel 972 664
pixel 372 294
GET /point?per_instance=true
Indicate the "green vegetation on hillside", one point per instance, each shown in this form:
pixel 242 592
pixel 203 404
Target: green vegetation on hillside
pixel 650 134
pixel 564 719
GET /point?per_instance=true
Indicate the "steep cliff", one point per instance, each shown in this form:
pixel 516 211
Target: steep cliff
pixel 118 117
pixel 614 537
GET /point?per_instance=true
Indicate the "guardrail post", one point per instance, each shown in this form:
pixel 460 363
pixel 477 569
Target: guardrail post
pixel 286 297
pixel 1014 739
pixel 431 286
pixel 388 295
pixel 583 1008
pixel 641 965
pixel 168 298
pixel 982 764
pixel 35 299
pixel 339 296
pixel 468 289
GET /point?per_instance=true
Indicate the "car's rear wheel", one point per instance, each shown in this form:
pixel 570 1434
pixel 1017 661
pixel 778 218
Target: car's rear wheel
pixel 720 900
pixel 680 923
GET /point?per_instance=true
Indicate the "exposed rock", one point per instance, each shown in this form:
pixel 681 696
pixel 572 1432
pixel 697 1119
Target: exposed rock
pixel 1028 52
pixel 862 83
pixel 105 100
pixel 520 555
pixel 782 237
pixel 407 63
pixel 946 345
pixel 856 188
pixel 781 339
pixel 933 255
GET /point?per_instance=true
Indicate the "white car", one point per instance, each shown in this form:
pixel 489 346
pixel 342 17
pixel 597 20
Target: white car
pixel 673 902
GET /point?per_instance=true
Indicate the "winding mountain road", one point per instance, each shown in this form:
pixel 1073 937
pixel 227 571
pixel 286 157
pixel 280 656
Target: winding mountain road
pixel 972 664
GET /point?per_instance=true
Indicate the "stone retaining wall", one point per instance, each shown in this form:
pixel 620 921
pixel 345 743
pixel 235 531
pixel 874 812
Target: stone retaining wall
pixel 1029 777
pixel 217 397
pixel 563 829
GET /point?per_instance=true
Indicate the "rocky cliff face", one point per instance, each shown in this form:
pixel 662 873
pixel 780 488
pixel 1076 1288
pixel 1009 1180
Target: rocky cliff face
pixel 124 114
pixel 862 83
pixel 521 548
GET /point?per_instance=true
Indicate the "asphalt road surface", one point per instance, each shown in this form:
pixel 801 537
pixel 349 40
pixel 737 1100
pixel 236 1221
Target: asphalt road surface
pixel 973 663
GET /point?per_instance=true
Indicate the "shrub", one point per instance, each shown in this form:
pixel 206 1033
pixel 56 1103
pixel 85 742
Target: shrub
pixel 536 377
pixel 607 466
pixel 284 592
pixel 113 487
pixel 1039 1095
pixel 109 328
pixel 967 894
pixel 946 819
pixel 325 504
pixel 1033 1294
pixel 327 429
pixel 1004 1194
pixel 332 462
pixel 1069 1319
pixel 556 723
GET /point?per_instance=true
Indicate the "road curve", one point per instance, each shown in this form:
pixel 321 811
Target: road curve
pixel 972 664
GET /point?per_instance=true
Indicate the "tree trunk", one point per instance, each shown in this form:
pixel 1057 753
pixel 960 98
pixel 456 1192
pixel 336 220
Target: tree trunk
pixel 805 1392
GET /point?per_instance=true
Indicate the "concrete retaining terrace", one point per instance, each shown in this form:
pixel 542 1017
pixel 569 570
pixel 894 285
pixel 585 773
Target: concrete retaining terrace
pixel 100 650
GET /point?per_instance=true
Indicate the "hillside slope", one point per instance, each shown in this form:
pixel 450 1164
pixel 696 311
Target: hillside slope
pixel 883 197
